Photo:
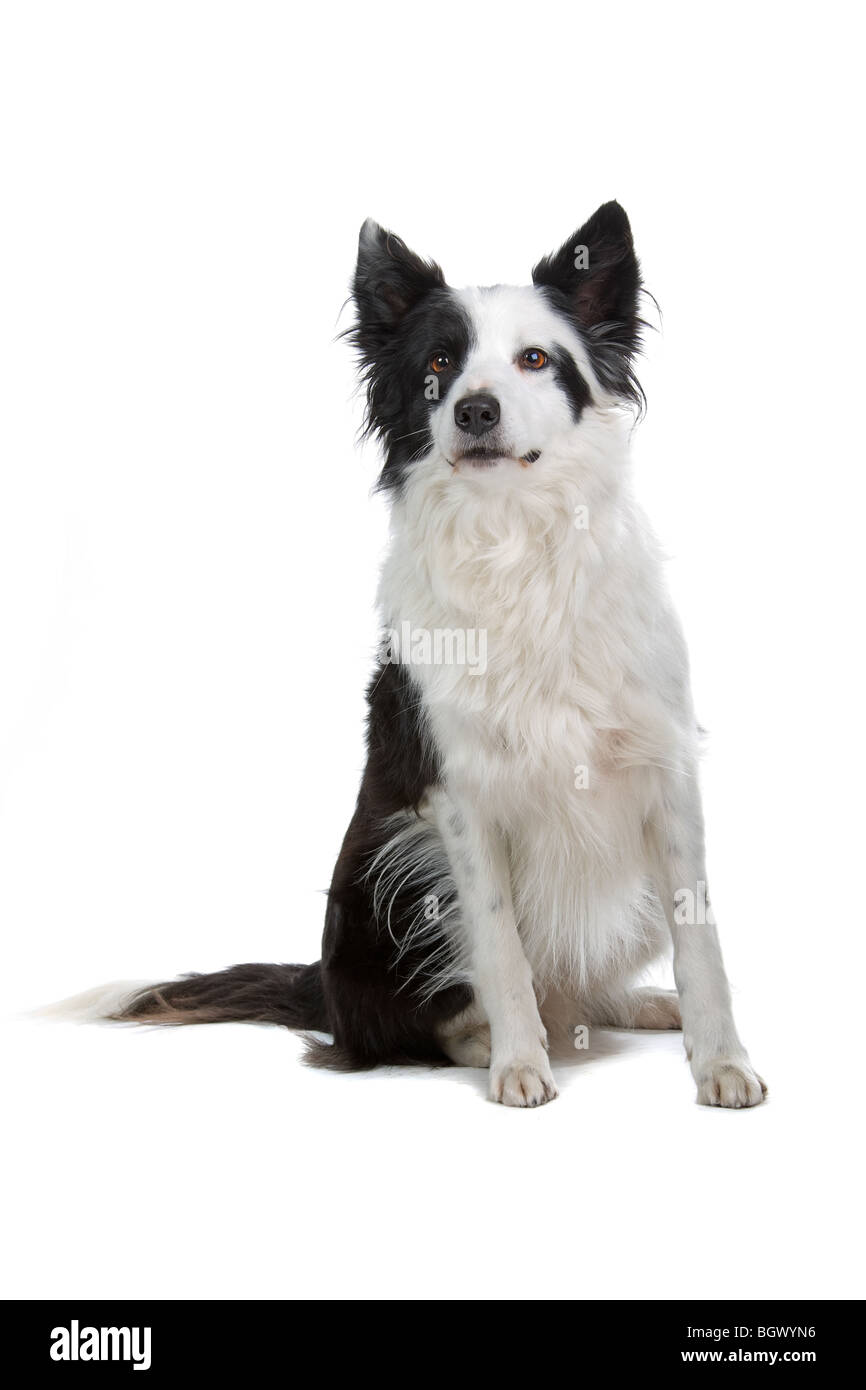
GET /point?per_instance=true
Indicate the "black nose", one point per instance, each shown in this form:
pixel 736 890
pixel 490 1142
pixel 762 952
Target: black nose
pixel 477 414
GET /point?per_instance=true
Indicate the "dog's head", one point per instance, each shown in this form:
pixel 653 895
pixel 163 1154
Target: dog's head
pixel 493 379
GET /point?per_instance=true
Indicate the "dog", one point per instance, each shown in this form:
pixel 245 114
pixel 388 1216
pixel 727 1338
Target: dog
pixel 528 835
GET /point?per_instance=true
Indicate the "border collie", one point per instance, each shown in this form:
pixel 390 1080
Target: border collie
pixel 528 834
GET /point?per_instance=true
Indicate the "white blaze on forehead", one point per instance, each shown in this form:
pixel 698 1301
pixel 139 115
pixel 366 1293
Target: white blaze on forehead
pixel 505 320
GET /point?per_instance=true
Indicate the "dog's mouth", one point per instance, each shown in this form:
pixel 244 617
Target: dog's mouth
pixel 480 457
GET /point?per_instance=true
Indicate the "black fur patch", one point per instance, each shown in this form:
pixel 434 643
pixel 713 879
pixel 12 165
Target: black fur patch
pixel 405 313
pixel 600 299
pixel 402 762
pixel 571 381
pixel 374 1018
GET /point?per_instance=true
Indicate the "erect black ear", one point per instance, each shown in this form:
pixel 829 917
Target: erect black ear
pixel 389 280
pixel 597 273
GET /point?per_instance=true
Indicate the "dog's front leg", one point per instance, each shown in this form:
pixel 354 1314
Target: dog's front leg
pixel 501 977
pixel 719 1062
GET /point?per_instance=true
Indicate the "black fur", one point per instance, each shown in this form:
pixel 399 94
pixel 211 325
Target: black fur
pixel 405 313
pixel 287 994
pixel 376 1015
pixel 573 383
pixel 601 300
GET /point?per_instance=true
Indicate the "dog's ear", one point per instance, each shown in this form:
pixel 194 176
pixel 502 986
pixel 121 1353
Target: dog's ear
pixel 389 280
pixel 597 273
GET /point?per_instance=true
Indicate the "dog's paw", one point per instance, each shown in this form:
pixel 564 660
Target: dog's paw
pixel 524 1084
pixel 731 1083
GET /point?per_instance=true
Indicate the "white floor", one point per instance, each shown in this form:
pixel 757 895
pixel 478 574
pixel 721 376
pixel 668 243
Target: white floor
pixel 207 1162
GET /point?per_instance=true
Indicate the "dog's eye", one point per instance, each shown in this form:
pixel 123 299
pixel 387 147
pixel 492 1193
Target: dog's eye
pixel 534 359
pixel 439 361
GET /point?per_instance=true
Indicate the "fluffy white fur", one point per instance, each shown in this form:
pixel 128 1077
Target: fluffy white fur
pixel 96 1005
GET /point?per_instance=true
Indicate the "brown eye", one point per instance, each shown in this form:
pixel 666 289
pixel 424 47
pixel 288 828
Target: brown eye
pixel 534 359
pixel 439 361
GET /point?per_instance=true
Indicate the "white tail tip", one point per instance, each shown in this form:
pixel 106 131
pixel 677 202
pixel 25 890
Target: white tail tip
pixel 93 1005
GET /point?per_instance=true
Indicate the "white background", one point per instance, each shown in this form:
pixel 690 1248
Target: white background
pixel 188 559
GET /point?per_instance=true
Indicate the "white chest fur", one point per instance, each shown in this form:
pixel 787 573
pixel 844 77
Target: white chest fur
pixel 573 713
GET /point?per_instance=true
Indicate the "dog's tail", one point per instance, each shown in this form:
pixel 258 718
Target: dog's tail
pixel 291 995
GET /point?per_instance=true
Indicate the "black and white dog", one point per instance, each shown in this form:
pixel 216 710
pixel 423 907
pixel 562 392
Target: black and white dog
pixel 528 831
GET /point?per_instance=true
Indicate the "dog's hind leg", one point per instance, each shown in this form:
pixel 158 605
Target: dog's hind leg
pixel 647 1007
pixel 466 1038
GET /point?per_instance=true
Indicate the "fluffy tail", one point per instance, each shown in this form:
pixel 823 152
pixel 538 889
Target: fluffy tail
pixel 291 995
